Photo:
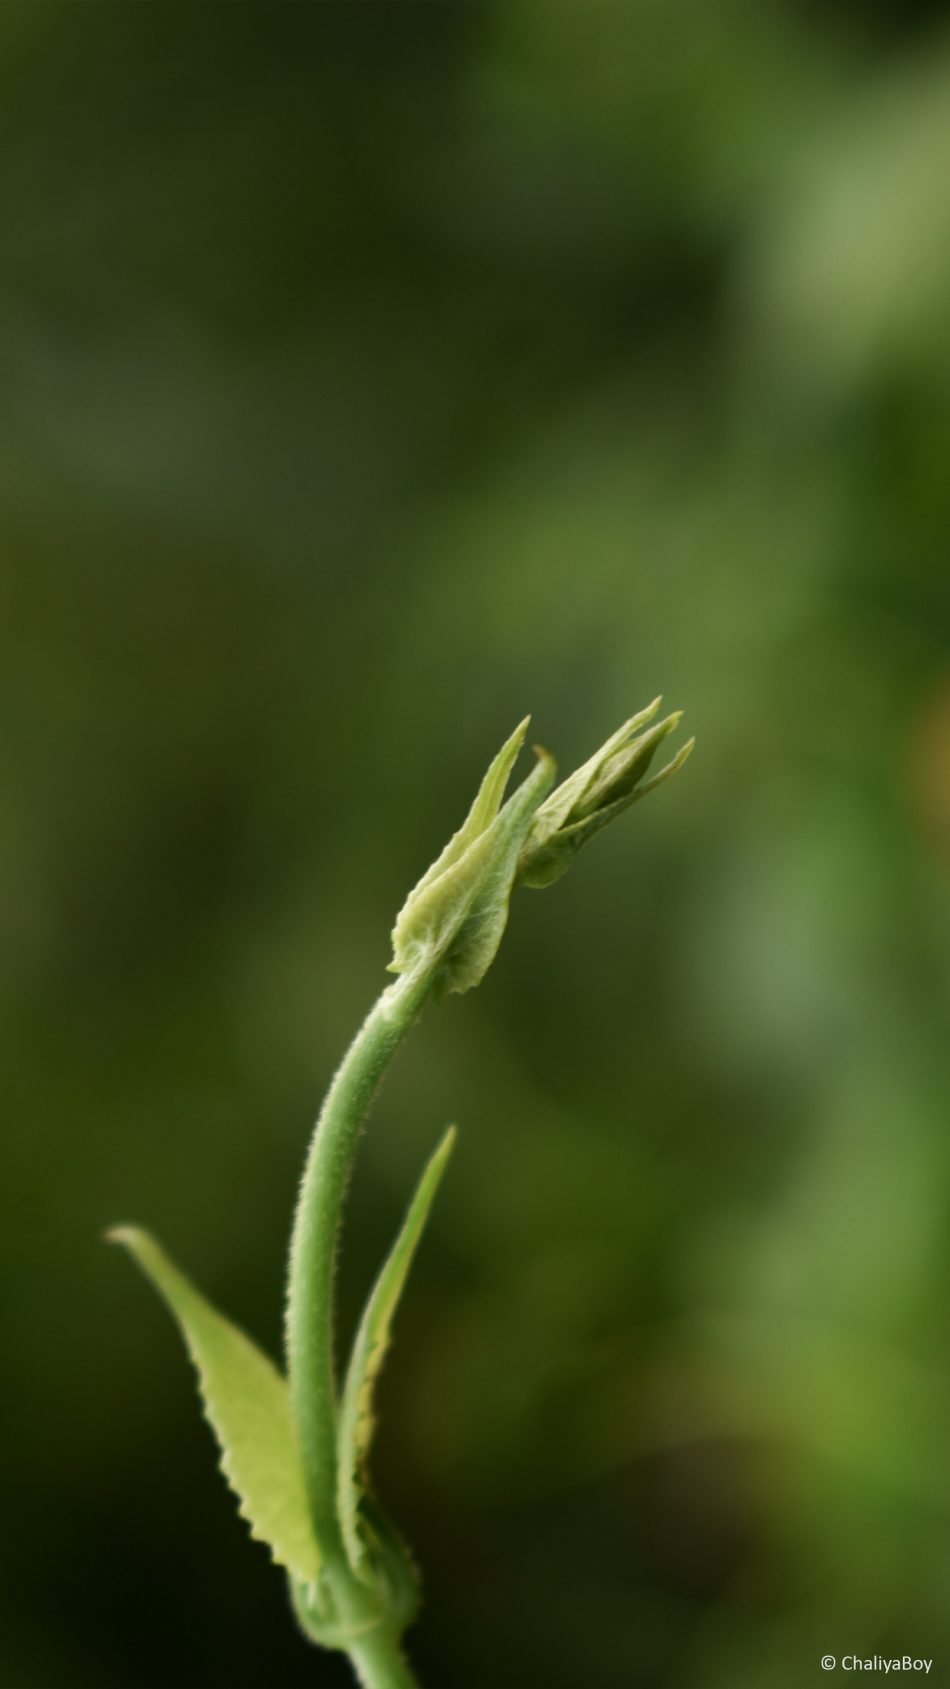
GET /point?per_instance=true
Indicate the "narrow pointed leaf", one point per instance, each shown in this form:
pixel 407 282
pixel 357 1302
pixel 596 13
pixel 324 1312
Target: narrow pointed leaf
pixel 369 1349
pixel 247 1404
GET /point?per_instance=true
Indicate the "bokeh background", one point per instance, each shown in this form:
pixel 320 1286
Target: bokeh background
pixel 369 375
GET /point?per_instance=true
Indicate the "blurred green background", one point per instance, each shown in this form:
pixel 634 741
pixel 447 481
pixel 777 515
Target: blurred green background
pixel 370 375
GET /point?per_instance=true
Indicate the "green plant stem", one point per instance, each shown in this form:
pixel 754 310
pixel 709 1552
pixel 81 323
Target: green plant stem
pixel 379 1662
pixel 310 1299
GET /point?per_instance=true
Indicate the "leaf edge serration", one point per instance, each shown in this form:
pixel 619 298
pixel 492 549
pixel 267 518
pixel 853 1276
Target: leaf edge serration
pixel 161 1272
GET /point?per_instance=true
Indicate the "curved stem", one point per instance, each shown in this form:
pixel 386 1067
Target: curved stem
pixel 310 1358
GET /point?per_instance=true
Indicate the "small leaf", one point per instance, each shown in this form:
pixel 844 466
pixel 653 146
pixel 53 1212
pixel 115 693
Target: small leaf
pixel 247 1404
pixel 369 1349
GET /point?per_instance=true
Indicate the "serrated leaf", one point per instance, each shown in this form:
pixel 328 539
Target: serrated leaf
pixel 369 1350
pixel 247 1404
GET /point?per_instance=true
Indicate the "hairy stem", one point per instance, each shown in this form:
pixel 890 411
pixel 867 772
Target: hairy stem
pixel 379 1662
pixel 310 1298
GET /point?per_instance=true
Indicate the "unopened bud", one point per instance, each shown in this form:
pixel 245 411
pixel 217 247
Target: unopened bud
pixel 602 788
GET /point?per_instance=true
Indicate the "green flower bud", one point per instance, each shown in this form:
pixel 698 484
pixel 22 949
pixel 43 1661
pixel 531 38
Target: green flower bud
pixel 453 920
pixel 605 786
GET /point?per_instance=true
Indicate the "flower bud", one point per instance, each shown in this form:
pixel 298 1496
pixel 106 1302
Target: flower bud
pixel 452 922
pixel 605 786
